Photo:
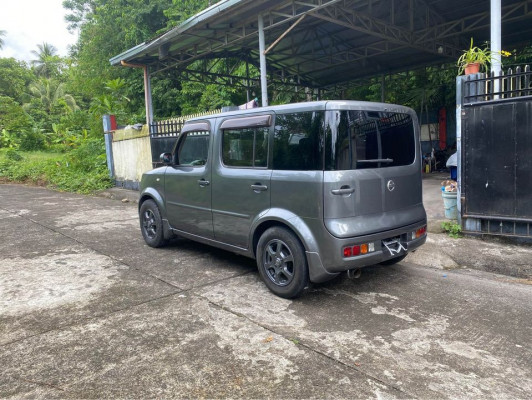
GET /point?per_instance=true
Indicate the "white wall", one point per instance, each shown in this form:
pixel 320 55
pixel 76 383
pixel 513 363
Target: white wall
pixel 131 153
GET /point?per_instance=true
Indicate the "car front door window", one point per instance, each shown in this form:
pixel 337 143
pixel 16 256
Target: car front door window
pixel 193 149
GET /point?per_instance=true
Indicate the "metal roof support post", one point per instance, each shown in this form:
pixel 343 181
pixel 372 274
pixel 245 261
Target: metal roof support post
pixel 496 43
pixel 263 78
pixel 147 90
pixel 147 97
pixel 247 80
pixel 459 98
pixel 383 88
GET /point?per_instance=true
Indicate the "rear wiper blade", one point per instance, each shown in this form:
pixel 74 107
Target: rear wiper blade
pixel 377 160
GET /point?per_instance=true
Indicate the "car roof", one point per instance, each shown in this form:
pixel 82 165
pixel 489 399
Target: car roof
pixel 310 106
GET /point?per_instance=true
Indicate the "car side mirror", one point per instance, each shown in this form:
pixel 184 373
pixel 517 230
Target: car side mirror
pixel 166 158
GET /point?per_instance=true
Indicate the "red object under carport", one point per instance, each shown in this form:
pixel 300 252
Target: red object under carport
pixel 442 123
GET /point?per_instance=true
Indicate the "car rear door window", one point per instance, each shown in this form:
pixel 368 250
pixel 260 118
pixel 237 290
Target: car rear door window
pixel 298 141
pixel 247 147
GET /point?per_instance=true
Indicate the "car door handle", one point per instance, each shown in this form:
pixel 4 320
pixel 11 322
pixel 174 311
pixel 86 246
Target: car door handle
pixel 342 191
pixel 203 182
pixel 257 187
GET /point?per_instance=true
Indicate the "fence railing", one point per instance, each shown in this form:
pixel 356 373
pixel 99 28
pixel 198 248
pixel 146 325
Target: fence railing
pixel 504 85
pixel 172 127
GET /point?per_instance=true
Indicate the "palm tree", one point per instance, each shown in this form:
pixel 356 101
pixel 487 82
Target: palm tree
pixel 2 33
pixel 47 59
pixel 51 94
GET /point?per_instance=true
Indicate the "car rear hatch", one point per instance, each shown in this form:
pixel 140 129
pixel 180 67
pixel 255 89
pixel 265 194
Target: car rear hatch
pixel 372 177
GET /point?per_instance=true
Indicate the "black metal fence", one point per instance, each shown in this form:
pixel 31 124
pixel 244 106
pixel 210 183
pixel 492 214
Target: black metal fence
pixel 496 178
pixel 167 128
pixel 492 86
pixel 164 134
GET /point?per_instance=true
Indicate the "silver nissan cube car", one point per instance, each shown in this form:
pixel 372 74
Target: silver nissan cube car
pixel 310 190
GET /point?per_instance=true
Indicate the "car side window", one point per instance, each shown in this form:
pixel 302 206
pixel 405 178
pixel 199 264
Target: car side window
pixel 298 141
pixel 193 149
pixel 247 147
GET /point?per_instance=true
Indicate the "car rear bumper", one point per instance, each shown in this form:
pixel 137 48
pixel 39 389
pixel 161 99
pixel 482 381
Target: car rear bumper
pixel 329 261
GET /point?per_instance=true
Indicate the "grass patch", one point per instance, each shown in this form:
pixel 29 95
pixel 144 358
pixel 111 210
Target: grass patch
pixel 81 170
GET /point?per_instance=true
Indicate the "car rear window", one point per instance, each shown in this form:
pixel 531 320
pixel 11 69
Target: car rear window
pixel 362 139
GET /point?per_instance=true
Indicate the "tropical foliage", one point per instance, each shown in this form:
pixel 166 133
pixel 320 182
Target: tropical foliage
pixel 2 33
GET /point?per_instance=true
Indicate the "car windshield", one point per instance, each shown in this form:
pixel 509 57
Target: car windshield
pixel 368 139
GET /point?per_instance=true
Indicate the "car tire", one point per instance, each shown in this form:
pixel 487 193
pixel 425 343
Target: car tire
pixel 393 261
pixel 282 263
pixel 151 224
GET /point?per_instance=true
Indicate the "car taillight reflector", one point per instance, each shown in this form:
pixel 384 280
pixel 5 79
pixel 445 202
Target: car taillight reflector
pixel 419 232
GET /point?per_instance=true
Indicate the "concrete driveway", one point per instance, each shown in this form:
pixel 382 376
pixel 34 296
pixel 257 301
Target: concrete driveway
pixel 88 310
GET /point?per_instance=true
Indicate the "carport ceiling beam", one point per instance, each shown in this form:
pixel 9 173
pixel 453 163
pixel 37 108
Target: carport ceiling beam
pixel 336 52
pixel 277 78
pixel 245 30
pixel 510 13
pixel 284 34
pixel 359 55
pixel 375 27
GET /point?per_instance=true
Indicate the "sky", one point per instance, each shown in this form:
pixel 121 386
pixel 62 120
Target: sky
pixel 31 22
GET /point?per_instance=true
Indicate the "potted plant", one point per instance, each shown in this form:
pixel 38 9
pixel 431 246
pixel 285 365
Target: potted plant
pixel 473 58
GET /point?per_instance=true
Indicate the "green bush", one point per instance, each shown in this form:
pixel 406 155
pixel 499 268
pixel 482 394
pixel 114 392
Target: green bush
pixel 8 140
pixel 32 141
pixel 453 229
pixel 90 156
pixel 13 118
pixel 81 170
pixel 13 155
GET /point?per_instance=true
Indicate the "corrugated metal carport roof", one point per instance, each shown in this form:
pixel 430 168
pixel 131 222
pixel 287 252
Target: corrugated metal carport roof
pixel 334 40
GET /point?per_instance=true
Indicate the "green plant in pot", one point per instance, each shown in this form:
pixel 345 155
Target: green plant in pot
pixel 473 59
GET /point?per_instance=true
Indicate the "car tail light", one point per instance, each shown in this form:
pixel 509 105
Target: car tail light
pixel 358 249
pixel 419 232
pixel 348 251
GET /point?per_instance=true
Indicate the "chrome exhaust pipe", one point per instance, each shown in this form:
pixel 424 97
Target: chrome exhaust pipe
pixel 354 273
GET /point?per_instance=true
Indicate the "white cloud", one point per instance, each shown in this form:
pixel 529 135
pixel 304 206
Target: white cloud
pixel 31 22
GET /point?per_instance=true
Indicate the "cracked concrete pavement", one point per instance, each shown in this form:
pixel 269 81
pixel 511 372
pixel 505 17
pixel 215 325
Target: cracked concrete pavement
pixel 87 310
